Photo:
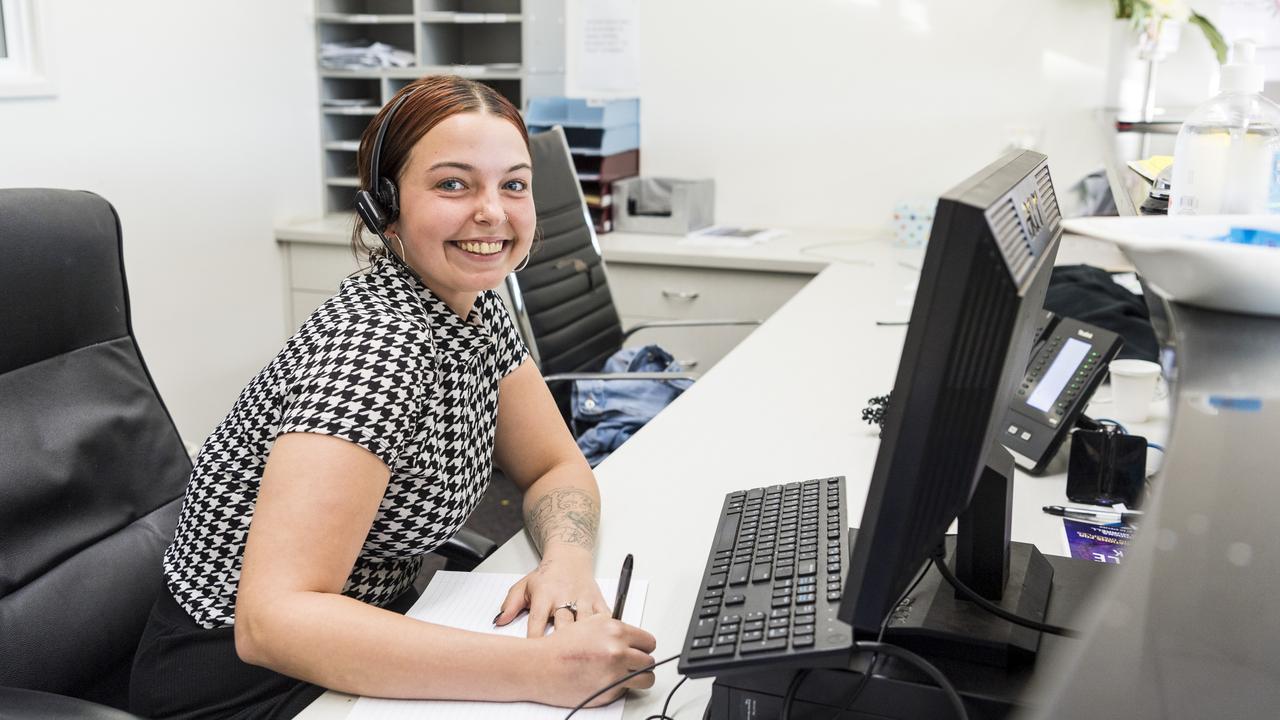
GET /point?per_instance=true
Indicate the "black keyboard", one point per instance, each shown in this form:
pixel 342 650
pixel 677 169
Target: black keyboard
pixel 773 581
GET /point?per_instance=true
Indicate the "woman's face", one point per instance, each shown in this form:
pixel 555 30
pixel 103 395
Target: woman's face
pixel 466 206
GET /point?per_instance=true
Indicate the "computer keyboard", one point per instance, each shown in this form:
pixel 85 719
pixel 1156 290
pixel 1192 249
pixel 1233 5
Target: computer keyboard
pixel 773 581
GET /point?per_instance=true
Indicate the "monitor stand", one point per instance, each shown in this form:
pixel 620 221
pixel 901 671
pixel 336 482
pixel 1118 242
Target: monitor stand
pixel 936 620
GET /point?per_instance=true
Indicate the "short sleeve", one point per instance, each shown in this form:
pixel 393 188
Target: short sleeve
pixel 363 383
pixel 511 349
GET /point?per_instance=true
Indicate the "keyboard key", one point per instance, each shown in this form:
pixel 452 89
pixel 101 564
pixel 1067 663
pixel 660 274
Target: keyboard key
pixel 700 643
pixel 804 621
pixel 753 636
pixel 754 615
pixel 779 622
pixel 775 633
pixel 782 592
pixel 782 582
pixel 739 573
pixel 807 567
pixel 735 599
pixel 781 602
pixel 780 613
pixel 718 592
pixel 833 568
pixel 752 626
pixel 705 628
pixel 727 639
pixel 709 612
pixel 716 581
pixel 783 572
pixel 711 652
pixel 833 595
pixel 804 610
pixel 712 602
pixel 802 641
pixel 761 574
pixel 804 598
pixel 730 619
pixel 762 646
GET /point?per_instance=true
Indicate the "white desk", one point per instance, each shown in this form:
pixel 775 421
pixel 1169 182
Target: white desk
pixel 785 405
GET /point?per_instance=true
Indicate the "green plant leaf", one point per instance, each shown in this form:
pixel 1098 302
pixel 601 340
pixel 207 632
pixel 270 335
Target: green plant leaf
pixel 1212 35
pixel 1124 8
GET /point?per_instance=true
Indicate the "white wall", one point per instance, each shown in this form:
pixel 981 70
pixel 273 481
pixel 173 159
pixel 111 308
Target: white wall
pixel 198 121
pixel 825 113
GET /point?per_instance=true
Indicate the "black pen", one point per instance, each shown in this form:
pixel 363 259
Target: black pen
pixel 1090 514
pixel 624 583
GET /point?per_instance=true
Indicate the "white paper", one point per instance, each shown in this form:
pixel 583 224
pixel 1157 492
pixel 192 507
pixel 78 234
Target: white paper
pixel 469 601
pixel 602 41
pixel 724 236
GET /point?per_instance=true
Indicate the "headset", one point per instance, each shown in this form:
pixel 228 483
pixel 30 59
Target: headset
pixel 379 206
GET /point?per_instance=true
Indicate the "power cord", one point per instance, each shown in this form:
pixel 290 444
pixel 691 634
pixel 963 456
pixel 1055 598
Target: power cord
pixel 621 680
pixel 940 561
pixel 923 666
pixel 663 715
pixel 794 687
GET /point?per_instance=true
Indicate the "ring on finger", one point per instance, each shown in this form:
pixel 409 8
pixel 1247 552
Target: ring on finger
pixel 571 606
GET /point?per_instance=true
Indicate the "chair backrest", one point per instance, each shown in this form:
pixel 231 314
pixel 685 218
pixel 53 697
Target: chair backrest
pixel 562 299
pixel 92 469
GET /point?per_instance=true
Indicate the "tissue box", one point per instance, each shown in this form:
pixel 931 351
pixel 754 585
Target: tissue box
pixel 912 222
pixel 666 206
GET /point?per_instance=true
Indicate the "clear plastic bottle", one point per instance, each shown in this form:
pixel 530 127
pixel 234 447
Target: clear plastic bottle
pixel 1225 158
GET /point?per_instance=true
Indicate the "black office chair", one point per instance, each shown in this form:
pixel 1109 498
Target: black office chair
pixel 561 300
pixel 92 469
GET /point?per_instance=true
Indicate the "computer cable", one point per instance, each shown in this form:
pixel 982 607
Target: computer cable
pixel 1156 446
pixel 667 703
pixel 618 682
pixel 923 666
pixel 940 561
pixel 794 686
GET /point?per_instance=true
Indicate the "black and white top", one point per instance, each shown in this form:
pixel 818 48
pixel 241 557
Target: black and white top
pixel 384 364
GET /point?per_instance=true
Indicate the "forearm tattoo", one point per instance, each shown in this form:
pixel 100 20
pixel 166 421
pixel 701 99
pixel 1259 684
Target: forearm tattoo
pixel 566 515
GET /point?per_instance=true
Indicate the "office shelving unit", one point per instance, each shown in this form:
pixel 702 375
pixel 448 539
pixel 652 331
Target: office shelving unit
pixel 514 46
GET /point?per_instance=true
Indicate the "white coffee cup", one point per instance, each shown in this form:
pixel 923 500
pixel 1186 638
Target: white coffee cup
pixel 1133 387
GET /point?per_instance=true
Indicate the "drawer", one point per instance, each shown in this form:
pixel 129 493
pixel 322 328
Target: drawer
pixel 699 348
pixel 319 267
pixel 680 293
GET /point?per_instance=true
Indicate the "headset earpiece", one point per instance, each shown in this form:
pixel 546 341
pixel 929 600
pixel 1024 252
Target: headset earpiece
pixel 371 212
pixel 389 199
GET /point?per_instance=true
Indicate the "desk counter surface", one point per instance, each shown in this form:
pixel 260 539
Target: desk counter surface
pixel 784 406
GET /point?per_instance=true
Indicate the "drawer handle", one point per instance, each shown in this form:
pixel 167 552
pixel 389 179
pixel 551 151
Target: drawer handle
pixel 681 294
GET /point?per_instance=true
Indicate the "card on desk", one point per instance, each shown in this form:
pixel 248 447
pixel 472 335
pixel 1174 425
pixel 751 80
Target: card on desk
pixel 469 601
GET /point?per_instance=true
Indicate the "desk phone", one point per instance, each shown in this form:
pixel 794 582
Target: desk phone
pixel 1068 361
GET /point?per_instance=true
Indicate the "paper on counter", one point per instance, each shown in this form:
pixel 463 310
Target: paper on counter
pixel 469 601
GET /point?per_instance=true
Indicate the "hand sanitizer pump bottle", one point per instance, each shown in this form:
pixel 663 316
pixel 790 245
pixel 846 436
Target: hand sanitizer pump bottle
pixel 1225 158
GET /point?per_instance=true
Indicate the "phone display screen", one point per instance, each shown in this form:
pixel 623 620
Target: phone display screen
pixel 1060 372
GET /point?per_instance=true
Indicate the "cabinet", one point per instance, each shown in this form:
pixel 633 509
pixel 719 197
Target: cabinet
pixel 514 46
pixel 665 292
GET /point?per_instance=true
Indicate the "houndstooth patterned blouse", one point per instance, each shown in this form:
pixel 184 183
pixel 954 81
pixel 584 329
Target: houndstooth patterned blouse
pixel 384 364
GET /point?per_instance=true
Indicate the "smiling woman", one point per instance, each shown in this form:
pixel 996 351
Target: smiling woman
pixel 368 441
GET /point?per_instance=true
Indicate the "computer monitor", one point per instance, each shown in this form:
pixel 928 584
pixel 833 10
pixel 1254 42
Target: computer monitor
pixel 982 284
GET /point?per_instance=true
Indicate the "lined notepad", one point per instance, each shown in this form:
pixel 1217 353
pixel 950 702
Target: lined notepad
pixel 469 601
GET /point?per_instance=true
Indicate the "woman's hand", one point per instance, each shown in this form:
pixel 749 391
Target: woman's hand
pixel 583 657
pixel 563 577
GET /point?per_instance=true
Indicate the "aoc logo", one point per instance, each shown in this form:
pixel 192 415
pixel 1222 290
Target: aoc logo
pixel 1031 212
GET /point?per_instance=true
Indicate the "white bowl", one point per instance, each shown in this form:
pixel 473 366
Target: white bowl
pixel 1180 258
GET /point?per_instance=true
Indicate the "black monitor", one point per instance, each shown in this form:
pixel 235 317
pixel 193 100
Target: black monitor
pixel 982 285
